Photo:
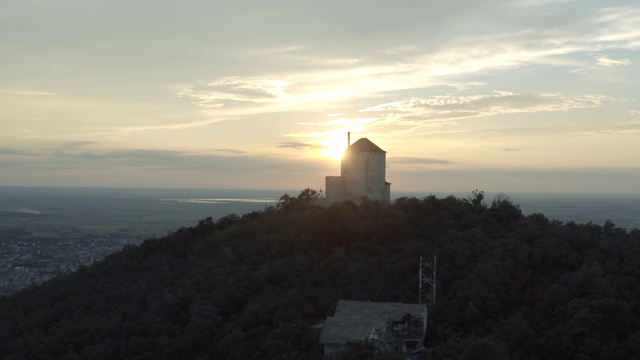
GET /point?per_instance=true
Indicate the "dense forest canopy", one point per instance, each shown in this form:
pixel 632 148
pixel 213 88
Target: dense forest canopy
pixel 253 286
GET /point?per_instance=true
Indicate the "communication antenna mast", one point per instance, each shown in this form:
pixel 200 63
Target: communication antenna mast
pixel 427 292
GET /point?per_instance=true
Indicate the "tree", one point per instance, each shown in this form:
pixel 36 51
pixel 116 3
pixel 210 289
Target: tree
pixel 486 348
pixel 478 197
pixel 305 199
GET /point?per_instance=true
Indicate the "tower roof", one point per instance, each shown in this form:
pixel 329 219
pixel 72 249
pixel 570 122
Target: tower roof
pixel 364 145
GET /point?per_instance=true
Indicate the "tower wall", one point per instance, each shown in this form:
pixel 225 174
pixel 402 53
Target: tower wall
pixel 334 189
pixel 364 174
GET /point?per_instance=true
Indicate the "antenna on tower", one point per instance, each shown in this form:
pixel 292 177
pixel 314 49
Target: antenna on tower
pixel 348 138
pixel 427 293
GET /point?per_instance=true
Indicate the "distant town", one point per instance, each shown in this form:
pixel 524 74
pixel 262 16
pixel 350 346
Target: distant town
pixel 27 258
pixel 49 231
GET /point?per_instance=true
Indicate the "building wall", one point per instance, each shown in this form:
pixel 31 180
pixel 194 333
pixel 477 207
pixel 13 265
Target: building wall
pixel 364 175
pixel 384 324
pixel 333 350
pixel 334 189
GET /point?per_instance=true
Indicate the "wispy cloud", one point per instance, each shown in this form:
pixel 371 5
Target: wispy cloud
pixel 610 132
pixel 570 179
pixel 162 127
pixel 230 151
pixel 418 76
pixel 609 62
pixel 449 107
pixel 235 91
pixel 14 152
pixel 466 85
pixel 152 159
pixel 77 144
pixel 536 3
pixel 420 65
pixel 299 145
pixel 27 92
pixel 354 123
pixel 618 27
pixel 416 160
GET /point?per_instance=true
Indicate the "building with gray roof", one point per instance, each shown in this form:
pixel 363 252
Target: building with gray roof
pixel 393 327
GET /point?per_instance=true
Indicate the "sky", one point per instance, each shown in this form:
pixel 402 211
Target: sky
pixel 502 96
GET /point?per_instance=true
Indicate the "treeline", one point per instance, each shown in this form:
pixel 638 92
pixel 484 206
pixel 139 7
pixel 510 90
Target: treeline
pixel 253 287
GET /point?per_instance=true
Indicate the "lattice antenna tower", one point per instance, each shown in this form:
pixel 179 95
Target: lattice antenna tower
pixel 427 293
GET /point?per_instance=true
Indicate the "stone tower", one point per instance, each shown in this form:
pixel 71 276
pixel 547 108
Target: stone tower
pixel 362 173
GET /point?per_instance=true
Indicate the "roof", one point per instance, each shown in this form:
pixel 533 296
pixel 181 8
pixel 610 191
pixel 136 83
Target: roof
pixel 364 145
pixel 354 320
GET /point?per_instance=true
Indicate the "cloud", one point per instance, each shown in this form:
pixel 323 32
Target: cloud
pixel 536 3
pixel 232 91
pixel 299 145
pixel 445 108
pixel 407 64
pixel 510 149
pixel 396 67
pixel 466 85
pixel 617 27
pixel 164 127
pixel 543 180
pixel 416 160
pixel 77 144
pixel 562 173
pixel 231 151
pixel 354 123
pixel 27 92
pixel 14 152
pixel 314 78
pixel 609 62
pixel 151 159
pixel 609 132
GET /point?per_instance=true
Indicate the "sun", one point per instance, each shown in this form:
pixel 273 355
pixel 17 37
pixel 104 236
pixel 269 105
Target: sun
pixel 334 147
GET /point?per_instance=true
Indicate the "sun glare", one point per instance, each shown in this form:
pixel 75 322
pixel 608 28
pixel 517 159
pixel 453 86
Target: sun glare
pixel 334 147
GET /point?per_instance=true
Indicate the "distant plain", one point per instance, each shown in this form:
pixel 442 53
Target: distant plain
pixel 47 212
pixel 77 212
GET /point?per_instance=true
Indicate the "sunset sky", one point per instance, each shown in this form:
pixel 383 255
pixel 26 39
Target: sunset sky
pixel 512 96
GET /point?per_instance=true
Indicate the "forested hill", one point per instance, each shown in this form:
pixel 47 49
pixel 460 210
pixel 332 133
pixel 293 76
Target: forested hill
pixel 253 286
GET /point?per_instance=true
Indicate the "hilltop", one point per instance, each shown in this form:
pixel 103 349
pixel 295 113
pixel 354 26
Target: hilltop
pixel 253 286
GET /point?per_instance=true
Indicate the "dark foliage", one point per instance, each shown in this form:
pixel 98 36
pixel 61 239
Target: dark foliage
pixel 252 287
